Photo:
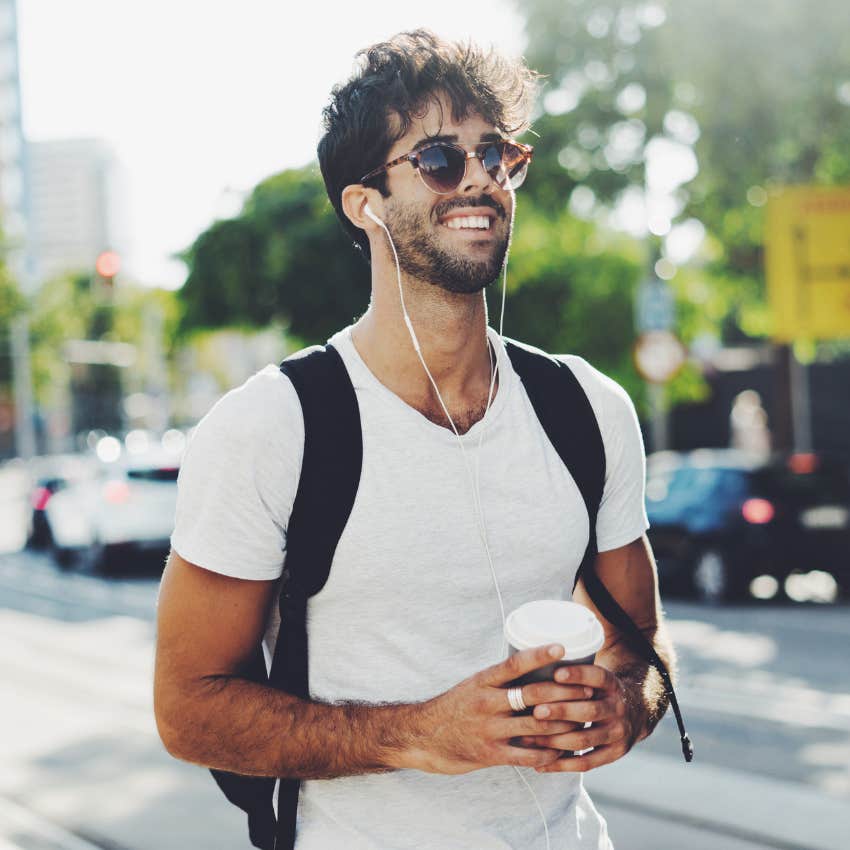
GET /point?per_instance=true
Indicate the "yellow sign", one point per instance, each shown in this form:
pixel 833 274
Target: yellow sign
pixel 807 260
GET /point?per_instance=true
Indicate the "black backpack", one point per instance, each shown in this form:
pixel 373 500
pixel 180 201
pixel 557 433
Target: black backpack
pixel 330 475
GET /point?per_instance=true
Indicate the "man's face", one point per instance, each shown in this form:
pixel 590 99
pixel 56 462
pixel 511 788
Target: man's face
pixel 458 259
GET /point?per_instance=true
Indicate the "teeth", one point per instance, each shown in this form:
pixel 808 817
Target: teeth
pixel 479 222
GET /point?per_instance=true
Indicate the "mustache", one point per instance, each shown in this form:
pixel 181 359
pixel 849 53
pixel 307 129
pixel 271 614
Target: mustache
pixel 470 203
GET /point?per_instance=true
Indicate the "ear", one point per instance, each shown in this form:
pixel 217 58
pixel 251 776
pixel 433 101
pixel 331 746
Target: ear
pixel 354 199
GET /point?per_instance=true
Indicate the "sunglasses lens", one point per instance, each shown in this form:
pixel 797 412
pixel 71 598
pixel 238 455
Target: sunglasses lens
pixel 441 167
pixel 507 164
pixel 518 174
pixel 491 159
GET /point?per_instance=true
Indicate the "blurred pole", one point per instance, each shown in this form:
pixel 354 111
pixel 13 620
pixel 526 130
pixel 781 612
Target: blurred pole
pixel 157 383
pixel 782 424
pixel 14 168
pixel 658 413
pixel 657 319
pixel 22 382
pixel 801 414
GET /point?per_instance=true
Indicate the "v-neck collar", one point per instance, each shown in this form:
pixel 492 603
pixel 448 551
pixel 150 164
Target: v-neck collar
pixel 362 376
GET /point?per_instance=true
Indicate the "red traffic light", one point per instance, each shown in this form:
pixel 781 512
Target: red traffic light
pixel 108 264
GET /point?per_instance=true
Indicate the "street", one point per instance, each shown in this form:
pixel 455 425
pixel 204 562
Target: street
pixel 764 689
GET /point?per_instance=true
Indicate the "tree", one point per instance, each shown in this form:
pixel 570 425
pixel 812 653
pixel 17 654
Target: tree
pixel 570 290
pixel 72 307
pixel 758 92
pixel 285 257
pixel 11 304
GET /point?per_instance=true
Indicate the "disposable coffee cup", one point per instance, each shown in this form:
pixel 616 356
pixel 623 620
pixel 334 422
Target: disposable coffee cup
pixel 546 621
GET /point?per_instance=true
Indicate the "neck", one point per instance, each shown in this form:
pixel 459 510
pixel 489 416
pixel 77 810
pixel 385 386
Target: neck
pixel 452 333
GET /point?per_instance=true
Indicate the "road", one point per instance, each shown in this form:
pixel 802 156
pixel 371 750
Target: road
pixel 765 691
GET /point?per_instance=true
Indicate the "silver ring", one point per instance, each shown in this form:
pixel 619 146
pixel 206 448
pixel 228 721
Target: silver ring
pixel 516 700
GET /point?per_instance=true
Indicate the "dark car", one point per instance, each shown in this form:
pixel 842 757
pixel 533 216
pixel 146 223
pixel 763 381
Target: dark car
pixel 719 519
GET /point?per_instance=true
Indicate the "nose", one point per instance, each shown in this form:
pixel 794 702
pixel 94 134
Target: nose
pixel 476 179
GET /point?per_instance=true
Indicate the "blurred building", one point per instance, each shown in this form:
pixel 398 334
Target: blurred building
pixel 13 194
pixel 17 431
pixel 72 204
pixel 749 373
pixel 73 217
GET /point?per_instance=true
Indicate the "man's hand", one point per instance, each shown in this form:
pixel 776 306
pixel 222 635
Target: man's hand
pixel 614 727
pixel 470 726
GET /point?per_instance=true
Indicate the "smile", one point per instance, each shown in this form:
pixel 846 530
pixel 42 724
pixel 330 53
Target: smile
pixel 470 222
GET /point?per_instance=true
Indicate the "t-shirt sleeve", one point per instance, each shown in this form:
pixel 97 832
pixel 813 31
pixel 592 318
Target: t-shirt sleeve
pixel 622 512
pixel 238 480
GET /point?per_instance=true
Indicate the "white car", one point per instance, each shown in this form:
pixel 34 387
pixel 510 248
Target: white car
pixel 48 475
pixel 127 509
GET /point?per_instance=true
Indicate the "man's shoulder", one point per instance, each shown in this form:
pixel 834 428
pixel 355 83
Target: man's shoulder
pixel 594 381
pixel 264 404
pixel 602 391
pixel 609 400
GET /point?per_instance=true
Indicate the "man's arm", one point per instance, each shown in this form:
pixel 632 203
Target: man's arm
pixel 630 576
pixel 630 697
pixel 209 624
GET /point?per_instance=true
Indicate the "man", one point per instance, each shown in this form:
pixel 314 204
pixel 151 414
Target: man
pixel 408 739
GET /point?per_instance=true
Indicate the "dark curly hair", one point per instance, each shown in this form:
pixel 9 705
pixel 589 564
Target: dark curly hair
pixel 397 81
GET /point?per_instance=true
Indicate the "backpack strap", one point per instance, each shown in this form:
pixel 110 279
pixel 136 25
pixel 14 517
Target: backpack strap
pixel 330 476
pixel 567 417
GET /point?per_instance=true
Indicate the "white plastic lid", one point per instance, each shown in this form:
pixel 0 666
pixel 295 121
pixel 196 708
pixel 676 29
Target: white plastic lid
pixel 555 621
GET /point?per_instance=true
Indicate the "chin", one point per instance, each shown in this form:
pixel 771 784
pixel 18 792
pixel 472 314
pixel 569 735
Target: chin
pixel 466 284
pixel 448 268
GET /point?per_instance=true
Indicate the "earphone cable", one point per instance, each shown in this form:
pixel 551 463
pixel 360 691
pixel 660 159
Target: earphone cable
pixel 474 481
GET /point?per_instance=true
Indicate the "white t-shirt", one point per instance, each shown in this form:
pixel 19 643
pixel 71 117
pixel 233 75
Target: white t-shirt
pixel 410 609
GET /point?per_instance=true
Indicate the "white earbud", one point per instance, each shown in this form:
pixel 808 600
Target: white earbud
pixel 368 210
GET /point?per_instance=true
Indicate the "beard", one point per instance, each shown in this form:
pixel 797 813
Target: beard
pixel 421 256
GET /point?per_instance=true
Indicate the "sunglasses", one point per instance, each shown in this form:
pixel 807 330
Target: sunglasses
pixel 442 165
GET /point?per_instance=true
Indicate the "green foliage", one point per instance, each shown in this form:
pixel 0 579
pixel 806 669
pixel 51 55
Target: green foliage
pixel 569 292
pixel 11 300
pixel 11 303
pixel 760 90
pixel 285 258
pixel 133 306
pixel 62 309
pixel 74 307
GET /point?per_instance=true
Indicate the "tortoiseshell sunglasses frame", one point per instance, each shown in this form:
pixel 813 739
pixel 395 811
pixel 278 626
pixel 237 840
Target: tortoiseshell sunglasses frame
pixel 477 153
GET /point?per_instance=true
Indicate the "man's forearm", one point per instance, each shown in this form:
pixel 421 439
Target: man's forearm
pixel 646 695
pixel 236 725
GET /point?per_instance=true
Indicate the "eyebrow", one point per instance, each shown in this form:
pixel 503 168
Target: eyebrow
pixel 430 140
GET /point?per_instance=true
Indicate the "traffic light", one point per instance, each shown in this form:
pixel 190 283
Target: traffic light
pixel 107 265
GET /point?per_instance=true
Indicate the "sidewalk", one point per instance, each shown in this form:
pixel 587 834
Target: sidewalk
pixel 20 829
pixel 743 806
pixel 650 802
pixel 630 830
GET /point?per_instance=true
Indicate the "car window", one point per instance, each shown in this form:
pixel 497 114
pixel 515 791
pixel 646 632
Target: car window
pixel 686 485
pixel 734 483
pixel 158 474
pixel 828 483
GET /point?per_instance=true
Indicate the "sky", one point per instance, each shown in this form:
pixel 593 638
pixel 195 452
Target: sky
pixel 199 101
